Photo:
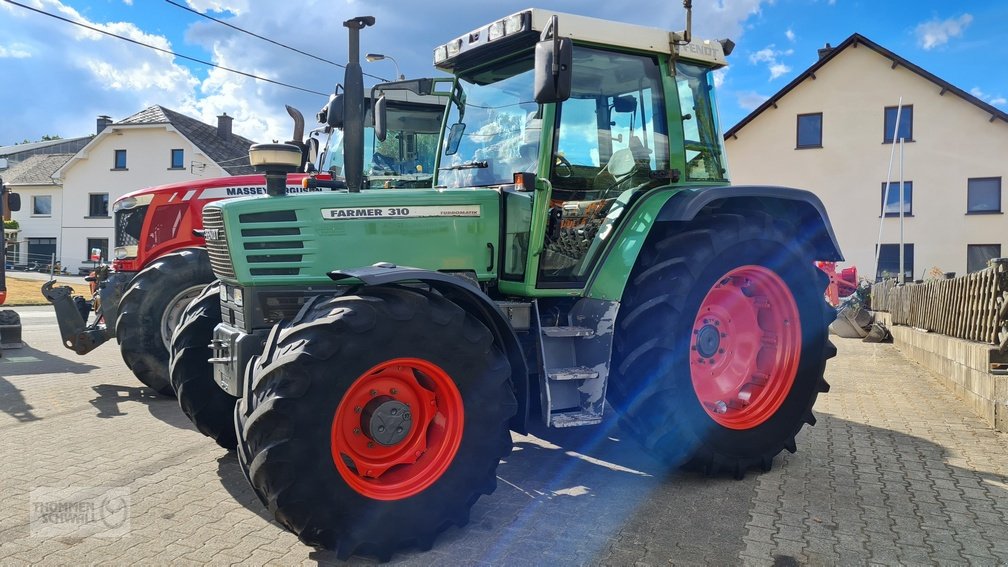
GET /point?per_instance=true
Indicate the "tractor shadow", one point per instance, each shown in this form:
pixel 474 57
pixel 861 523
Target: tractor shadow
pixel 26 361
pixel 112 401
pixel 234 482
pixel 13 403
pixel 592 496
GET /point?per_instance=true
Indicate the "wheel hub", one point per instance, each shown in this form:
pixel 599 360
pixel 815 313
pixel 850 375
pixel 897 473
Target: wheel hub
pixel 745 347
pixel 708 341
pixel 386 421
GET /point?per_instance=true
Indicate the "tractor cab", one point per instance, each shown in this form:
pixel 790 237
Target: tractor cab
pixel 635 111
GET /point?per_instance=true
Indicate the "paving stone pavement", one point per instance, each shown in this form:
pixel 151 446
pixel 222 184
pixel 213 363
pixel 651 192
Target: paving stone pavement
pixel 896 472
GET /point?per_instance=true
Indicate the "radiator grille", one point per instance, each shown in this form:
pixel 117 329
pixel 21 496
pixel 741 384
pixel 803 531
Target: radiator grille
pixel 217 248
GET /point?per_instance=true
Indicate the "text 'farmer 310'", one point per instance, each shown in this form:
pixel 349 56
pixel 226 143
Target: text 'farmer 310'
pixel 580 245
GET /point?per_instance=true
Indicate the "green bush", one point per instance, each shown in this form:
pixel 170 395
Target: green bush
pixel 11 224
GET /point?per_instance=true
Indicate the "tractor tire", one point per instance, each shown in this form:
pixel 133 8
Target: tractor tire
pixel 312 422
pixel 150 309
pixel 721 343
pixel 206 405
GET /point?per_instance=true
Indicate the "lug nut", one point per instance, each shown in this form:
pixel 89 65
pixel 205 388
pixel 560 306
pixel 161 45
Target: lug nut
pixel 374 392
pixel 381 429
pixel 393 391
pixel 356 430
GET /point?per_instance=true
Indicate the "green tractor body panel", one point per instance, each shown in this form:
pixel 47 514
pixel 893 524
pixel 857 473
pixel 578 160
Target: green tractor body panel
pixel 297 241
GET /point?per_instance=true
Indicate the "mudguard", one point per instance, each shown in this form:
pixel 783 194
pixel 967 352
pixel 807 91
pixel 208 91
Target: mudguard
pixel 474 301
pixel 802 207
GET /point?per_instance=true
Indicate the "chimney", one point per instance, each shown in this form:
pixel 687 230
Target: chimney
pixel 824 51
pixel 224 126
pixel 103 122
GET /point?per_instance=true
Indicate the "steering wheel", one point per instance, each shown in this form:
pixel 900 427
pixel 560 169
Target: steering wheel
pixel 565 163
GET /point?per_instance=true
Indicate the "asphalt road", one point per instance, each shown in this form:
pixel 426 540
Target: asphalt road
pixel 895 472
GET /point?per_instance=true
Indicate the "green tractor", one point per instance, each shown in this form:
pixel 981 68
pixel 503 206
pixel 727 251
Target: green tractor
pixel 580 246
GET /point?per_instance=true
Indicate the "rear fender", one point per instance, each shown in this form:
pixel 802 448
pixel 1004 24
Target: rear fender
pixel 475 302
pixel 802 208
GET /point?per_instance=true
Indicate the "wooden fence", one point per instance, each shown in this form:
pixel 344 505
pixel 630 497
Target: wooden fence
pixel 972 307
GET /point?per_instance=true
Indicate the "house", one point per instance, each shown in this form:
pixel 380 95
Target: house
pixel 39 220
pixel 831 131
pixel 152 147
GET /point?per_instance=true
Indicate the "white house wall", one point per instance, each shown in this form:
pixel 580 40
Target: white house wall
pixel 953 140
pixel 148 163
pixel 36 226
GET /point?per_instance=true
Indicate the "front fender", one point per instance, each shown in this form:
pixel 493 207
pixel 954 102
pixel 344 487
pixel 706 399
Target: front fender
pixel 469 297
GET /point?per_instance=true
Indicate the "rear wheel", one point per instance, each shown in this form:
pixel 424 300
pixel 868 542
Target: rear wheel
pixel 374 421
pixel 721 343
pixel 151 309
pixel 206 405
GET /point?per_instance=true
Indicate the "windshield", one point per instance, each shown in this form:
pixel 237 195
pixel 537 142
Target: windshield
pixel 407 152
pixel 502 125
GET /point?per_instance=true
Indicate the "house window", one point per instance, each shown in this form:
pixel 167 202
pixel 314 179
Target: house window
pixel 177 159
pixel 983 195
pixel 905 124
pixel 888 262
pixel 809 130
pixel 41 205
pixel 891 203
pixel 120 159
pixel 96 247
pixel 978 254
pixel 98 205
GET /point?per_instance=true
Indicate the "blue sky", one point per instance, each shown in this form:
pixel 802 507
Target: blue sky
pixel 59 77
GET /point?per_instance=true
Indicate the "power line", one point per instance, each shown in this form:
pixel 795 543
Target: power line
pixel 277 43
pixel 162 50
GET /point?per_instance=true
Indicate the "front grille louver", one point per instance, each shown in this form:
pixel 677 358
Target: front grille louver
pixel 217 249
pixel 264 252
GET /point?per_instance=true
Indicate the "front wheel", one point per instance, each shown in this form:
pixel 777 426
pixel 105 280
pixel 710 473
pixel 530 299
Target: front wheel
pixel 721 343
pixel 206 405
pixel 152 307
pixel 374 421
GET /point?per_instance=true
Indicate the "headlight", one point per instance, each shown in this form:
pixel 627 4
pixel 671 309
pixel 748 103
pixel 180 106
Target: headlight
pixel 237 297
pixel 496 30
pixel 440 53
pixel 126 203
pixel 454 47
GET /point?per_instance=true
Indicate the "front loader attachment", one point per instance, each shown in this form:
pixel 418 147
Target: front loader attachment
pixel 71 314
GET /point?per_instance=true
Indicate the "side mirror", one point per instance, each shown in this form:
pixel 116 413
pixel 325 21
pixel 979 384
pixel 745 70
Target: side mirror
pixel 454 137
pixel 334 111
pixel 313 150
pixel 13 202
pixel 554 58
pixel 379 118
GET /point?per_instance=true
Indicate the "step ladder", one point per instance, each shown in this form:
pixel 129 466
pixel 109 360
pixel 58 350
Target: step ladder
pixel 574 365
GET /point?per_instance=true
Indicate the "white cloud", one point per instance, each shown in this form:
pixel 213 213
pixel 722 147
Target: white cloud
pixel 15 51
pixel 996 100
pixel 749 100
pixel 778 69
pixel 790 35
pixel 110 76
pixel 936 33
pixel 719 78
pixel 770 56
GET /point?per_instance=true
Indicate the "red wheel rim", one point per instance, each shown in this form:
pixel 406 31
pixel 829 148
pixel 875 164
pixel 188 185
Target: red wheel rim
pixel 397 429
pixel 744 347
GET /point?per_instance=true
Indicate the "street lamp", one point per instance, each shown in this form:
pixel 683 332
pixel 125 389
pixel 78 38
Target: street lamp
pixel 372 57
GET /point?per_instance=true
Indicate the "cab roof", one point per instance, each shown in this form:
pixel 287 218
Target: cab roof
pixel 581 29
